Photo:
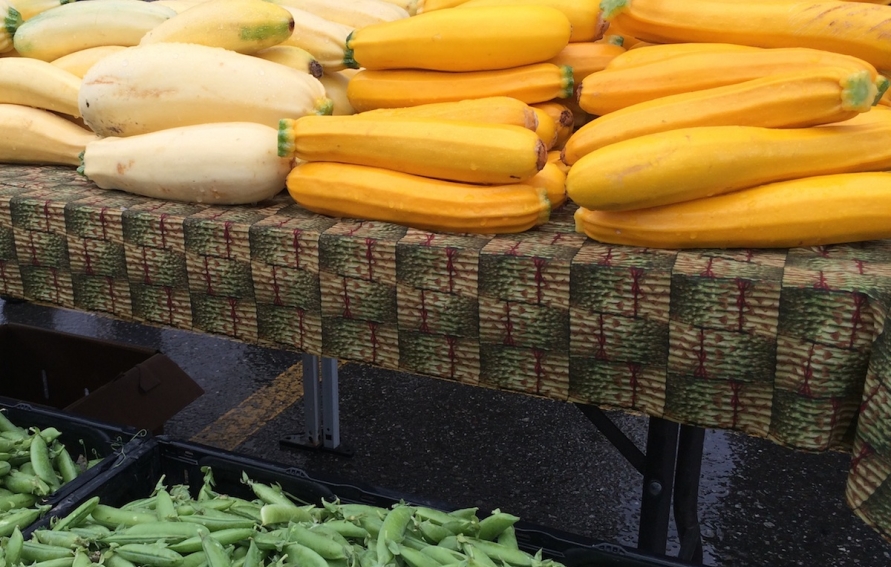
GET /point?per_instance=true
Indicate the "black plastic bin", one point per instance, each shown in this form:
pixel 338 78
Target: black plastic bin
pixel 84 437
pixel 181 462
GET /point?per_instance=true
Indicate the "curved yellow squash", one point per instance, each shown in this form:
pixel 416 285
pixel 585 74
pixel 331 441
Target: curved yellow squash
pixel 584 15
pixel 470 39
pixel 36 136
pixel 785 100
pixel 854 28
pixel 245 26
pixel 37 83
pixel 611 89
pixel 587 57
pixel 667 51
pixel 495 109
pixel 692 163
pixel 470 152
pixel 399 88
pixel 362 192
pixel 808 211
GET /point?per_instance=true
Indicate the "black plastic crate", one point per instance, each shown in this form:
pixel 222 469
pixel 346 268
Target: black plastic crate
pixel 84 437
pixel 181 462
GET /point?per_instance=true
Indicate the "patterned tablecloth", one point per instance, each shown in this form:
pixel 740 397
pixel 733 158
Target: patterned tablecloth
pixel 788 345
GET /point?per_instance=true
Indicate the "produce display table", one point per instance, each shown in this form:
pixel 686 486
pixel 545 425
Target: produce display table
pixel 787 345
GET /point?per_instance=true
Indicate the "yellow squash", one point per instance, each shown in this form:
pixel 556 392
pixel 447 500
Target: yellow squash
pixel 552 178
pixel 326 40
pixel 36 136
pixel 78 25
pixel 245 26
pixel 34 82
pixel 455 150
pixel 583 15
pixel 224 163
pixel 668 51
pixel 470 39
pixel 692 163
pixel 166 85
pixel 611 89
pixel 854 28
pixel 587 57
pixel 352 13
pixel 293 57
pixel 79 62
pixel 495 109
pixel 362 192
pixel 399 88
pixel 562 119
pixel 808 211
pixel 785 100
pixel 336 84
pixel 12 19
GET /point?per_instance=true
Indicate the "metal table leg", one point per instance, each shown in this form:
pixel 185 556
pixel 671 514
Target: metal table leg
pixel 670 467
pixel 321 403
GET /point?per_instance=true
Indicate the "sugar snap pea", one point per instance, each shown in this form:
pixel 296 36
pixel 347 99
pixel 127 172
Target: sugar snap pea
pixel 35 552
pixel 66 465
pixel 40 460
pixel 16 500
pixel 81 559
pixel 70 540
pixel 61 562
pixel 415 558
pixel 150 555
pixel 491 526
pixel 14 547
pixel 78 515
pixel 254 556
pixel 508 538
pixel 225 537
pixel 25 483
pixel 195 559
pixel 20 519
pixel 267 493
pixel 324 546
pixel 282 514
pixel 498 552
pixel 214 551
pixel 392 529
pixel 303 556
pixel 443 555
pixel 112 517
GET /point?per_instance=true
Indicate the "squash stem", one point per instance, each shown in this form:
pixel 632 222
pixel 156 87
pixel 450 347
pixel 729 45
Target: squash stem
pixel 858 92
pixel 567 84
pixel 609 9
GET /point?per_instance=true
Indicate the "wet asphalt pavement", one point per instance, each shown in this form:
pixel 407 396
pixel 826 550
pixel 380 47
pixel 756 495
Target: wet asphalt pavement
pixel 760 504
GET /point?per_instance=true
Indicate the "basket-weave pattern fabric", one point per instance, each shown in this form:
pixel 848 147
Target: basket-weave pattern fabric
pixel 788 345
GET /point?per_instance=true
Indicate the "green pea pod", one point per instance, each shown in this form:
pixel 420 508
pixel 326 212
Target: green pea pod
pixel 61 562
pixel 81 559
pixel 326 530
pixel 272 540
pixel 498 552
pixel 35 552
pixel 462 526
pixel 6 424
pixel 78 515
pixel 225 537
pixel 508 538
pixel 392 529
pixel 112 517
pixel 433 515
pixel 20 519
pixel 14 547
pixel 491 526
pixel 414 558
pixel 303 556
pixel 194 559
pixel 24 483
pixel 476 558
pixel 70 540
pixel 247 510
pixel 7 445
pixel 149 555
pixel 214 551
pixel 371 524
pixel 433 533
pixel 214 523
pixel 5 468
pixel 450 542
pixel 140 504
pixel 346 529
pixel 321 544
pixel 181 529
pixel 114 560
pixel 164 506
pixel 466 513
pixel 49 434
pixel 282 514
pixel 90 532
pixel 267 493
pixel 442 555
pixel 14 501
pixel 254 556
pixel 355 511
pixel 66 465
pixel 40 460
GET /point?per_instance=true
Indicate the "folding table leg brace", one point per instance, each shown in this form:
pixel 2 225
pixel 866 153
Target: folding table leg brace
pixel 321 407
pixel 672 463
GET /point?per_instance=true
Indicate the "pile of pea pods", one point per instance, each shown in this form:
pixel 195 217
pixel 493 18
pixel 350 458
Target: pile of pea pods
pixel 173 528
pixel 33 464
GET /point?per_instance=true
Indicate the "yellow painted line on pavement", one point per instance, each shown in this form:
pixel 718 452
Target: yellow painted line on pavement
pixel 236 425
